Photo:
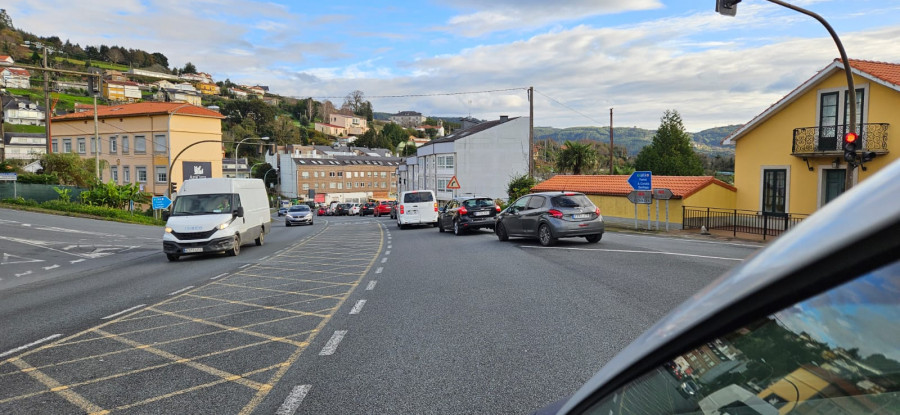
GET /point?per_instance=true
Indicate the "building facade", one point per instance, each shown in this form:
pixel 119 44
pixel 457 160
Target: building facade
pixel 22 111
pixel 408 119
pixel 15 78
pixel 24 146
pixel 339 179
pixel 121 91
pixel 138 142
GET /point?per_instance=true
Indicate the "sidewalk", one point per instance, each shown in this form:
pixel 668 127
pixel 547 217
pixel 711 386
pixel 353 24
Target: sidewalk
pixel 714 235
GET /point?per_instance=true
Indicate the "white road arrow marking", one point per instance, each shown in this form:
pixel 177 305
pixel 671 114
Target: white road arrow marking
pixel 21 260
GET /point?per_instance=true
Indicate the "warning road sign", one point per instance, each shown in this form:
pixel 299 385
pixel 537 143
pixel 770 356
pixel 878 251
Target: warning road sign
pixel 453 184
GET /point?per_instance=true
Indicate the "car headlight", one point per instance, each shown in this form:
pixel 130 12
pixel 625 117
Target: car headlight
pixel 168 229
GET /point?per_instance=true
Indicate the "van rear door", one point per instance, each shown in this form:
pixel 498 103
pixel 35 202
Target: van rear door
pixel 418 207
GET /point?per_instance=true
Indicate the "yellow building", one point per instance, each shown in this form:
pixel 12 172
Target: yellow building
pixel 121 91
pixel 139 141
pixel 789 159
pixel 207 88
pixel 609 193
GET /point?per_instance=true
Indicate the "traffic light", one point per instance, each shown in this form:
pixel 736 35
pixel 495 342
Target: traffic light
pixel 727 7
pixel 851 142
pixel 173 187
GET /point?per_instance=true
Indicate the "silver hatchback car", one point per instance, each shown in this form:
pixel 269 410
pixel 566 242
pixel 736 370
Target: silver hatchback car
pixel 549 216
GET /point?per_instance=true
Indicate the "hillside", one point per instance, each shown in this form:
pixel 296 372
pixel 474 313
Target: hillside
pixel 634 139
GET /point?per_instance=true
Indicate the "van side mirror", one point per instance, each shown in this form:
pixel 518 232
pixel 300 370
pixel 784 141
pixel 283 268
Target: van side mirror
pixel 239 212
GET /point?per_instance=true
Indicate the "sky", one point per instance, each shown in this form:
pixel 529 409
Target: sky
pixel 458 58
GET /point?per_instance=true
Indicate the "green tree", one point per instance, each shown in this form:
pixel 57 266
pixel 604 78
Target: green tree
pixel 519 186
pixel 670 153
pixel 189 68
pixel 71 169
pixel 5 20
pixel 576 158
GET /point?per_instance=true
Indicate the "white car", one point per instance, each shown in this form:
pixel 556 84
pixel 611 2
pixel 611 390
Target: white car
pixel 354 209
pixel 417 207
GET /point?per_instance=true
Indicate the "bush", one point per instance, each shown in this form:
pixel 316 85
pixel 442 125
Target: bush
pixel 20 201
pixel 34 178
pixel 101 211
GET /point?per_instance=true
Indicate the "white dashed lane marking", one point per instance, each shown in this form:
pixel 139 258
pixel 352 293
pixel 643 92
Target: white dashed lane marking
pixel 333 342
pixel 358 307
pixel 371 285
pixel 293 401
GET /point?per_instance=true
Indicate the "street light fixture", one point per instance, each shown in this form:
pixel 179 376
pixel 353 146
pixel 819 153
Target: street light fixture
pixel 236 151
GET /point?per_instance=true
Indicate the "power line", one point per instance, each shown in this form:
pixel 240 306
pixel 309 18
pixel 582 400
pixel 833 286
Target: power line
pixel 438 94
pixel 568 107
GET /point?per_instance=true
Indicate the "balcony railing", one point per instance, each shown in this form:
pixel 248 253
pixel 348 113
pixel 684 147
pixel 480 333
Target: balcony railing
pixel 827 141
pixel 740 221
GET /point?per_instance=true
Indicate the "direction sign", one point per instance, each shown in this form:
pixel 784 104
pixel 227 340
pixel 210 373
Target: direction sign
pixel 662 194
pixel 641 180
pixel 8 176
pixel 453 184
pixel 161 202
pixel 641 197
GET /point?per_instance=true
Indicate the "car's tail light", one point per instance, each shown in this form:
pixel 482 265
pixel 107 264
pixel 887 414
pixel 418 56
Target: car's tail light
pixel 463 211
pixel 570 194
pixel 597 211
pixel 435 207
pixel 555 213
pixel 401 209
pixel 497 207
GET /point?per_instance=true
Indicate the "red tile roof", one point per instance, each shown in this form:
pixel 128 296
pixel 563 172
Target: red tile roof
pixel 889 72
pixel 605 185
pixel 18 71
pixel 142 109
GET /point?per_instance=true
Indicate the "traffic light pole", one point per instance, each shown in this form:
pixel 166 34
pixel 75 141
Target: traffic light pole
pixel 851 93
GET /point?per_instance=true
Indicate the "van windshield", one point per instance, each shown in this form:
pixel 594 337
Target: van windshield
pixel 418 197
pixel 206 204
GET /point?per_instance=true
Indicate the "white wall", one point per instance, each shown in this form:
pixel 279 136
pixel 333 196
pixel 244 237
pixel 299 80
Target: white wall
pixel 288 176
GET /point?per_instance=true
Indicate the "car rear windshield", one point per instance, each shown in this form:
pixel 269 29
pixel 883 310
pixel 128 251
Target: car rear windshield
pixel 571 201
pixel 471 203
pixel 418 197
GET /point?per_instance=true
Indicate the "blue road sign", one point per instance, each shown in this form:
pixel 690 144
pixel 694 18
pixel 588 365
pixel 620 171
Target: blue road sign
pixel 641 180
pixel 161 202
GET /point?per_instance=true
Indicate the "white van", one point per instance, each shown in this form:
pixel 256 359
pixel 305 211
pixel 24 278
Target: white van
pixel 417 207
pixel 216 215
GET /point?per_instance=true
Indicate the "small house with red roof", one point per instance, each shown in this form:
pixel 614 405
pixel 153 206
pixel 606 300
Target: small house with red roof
pixel 6 60
pixel 11 77
pixel 139 141
pixel 789 158
pixel 610 194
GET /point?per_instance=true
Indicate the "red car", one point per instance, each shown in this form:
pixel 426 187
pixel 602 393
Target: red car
pixel 321 211
pixel 383 207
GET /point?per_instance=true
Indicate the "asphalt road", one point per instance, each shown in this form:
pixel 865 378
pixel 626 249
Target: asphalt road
pixel 350 315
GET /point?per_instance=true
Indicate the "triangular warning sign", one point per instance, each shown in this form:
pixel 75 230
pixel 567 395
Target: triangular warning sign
pixel 454 184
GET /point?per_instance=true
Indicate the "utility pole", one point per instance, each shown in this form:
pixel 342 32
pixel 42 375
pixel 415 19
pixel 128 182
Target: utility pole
pixel 612 153
pixel 96 139
pixel 47 114
pixel 531 131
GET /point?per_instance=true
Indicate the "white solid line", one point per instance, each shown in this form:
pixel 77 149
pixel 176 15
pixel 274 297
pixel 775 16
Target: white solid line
pixel 693 240
pixel 628 251
pixel 51 267
pixel 378 271
pixel 383 260
pixel 387 252
pixel 358 307
pixel 182 290
pixel 123 312
pixel 245 265
pixel 333 342
pixel 219 276
pixel 293 400
pixel 371 285
pixel 20 348
pixel 75 261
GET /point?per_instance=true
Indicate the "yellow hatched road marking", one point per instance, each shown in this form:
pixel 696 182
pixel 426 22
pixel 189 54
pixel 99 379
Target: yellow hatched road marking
pixel 230 328
pixel 56 387
pixel 263 307
pixel 283 292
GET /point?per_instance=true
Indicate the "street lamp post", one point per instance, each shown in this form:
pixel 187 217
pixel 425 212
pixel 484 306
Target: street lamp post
pixel 236 147
pixel 169 144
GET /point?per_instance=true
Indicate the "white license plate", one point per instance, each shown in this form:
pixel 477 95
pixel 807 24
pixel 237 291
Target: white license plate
pixel 192 250
pixel 412 212
pixel 482 213
pixel 581 216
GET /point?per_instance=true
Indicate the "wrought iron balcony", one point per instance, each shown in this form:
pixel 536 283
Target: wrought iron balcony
pixel 828 141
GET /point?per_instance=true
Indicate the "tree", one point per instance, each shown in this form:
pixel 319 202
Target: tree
pixel 5 20
pixel 519 186
pixel 189 68
pixel 70 168
pixel 356 101
pixel 576 158
pixel 161 59
pixel 670 153
pixel 284 131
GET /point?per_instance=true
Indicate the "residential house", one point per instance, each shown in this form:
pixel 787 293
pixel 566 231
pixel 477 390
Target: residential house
pixel 15 78
pixel 408 119
pixel 152 74
pixel 199 77
pixel 140 141
pixel 22 111
pixel 114 75
pixel 439 129
pixel 207 88
pixel 121 91
pixel 482 158
pixel 24 146
pixel 789 159
pixel 236 168
pixel 239 93
pixel 6 60
pixel 352 124
pixel 331 129
pixel 70 85
pixel 184 92
pixel 610 194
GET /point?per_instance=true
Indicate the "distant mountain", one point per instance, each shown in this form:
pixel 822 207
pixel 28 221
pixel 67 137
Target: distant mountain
pixel 634 139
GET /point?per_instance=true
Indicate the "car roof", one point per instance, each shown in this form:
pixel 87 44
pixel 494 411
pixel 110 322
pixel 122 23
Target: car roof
pixel 299 207
pixel 820 249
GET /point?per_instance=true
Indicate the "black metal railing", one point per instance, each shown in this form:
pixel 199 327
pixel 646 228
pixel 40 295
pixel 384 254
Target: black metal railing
pixel 740 221
pixel 823 140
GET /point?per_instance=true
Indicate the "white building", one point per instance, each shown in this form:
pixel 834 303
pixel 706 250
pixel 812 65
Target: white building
pixel 408 118
pixel 24 146
pixel 22 111
pixel 15 78
pixel 483 158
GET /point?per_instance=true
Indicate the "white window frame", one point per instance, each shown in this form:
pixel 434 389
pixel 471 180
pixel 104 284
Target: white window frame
pixel 113 144
pixel 160 174
pixel 138 170
pixel 787 186
pixel 142 148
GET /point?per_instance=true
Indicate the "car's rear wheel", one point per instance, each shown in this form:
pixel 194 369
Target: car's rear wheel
pixel 172 257
pixel 440 226
pixel 594 238
pixel 500 230
pixel 261 238
pixel 545 236
pixel 236 249
pixel 456 229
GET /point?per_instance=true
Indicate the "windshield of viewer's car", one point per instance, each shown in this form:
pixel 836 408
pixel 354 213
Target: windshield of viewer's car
pixel 203 204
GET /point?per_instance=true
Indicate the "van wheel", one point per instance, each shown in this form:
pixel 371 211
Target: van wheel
pixel 236 249
pixel 172 257
pixel 261 238
pixel 545 236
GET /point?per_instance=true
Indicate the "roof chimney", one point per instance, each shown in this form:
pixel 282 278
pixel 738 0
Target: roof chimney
pixel 504 118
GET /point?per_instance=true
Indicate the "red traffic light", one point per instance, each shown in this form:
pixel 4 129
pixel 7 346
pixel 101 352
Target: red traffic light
pixel 850 138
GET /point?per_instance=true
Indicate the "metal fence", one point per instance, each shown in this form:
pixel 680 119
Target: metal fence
pixel 740 221
pixel 37 192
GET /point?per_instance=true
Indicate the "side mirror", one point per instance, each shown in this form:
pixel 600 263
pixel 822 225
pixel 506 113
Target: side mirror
pixel 239 212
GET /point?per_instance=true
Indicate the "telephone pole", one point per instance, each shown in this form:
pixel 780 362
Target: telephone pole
pixel 46 76
pixel 531 131
pixel 611 147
